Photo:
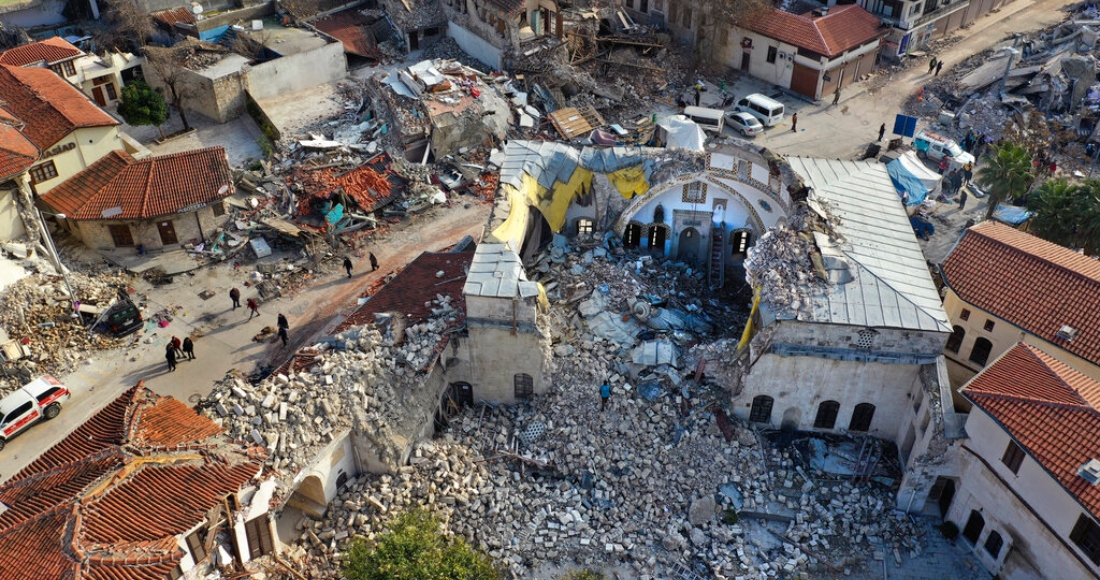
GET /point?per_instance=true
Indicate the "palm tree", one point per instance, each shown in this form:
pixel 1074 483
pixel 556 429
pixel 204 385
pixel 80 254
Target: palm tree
pixel 1057 207
pixel 1006 174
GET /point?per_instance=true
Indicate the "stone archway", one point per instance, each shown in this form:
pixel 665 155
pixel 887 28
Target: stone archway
pixel 689 248
pixel 310 497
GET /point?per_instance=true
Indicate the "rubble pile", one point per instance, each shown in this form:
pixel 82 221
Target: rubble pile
pixel 357 379
pixel 38 316
pixel 779 263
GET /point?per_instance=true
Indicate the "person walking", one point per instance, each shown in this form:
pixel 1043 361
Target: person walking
pixel 943 164
pixel 794 122
pixel 932 65
pixel 170 356
pixel 836 96
pixel 282 323
pixel 881 131
pixel 347 265
pixel 939 67
pixel 968 173
pixel 697 95
pixel 962 199
pixel 605 396
pixel 373 262
pixel 283 335
pixel 189 348
pixel 253 307
pixel 176 345
pixel 235 296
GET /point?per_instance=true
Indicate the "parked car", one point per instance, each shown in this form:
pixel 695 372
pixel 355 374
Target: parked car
pixel 744 123
pixel 38 400
pixel 931 145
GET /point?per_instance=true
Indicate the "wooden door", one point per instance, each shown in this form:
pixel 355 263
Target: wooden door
pixel 804 81
pixel 745 57
pixel 97 94
pixel 258 532
pixel 121 236
pixel 167 232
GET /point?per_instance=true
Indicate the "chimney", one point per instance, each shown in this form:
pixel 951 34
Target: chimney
pixel 1090 472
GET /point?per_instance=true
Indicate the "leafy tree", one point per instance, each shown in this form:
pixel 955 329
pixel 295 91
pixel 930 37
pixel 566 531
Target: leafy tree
pixel 141 105
pixel 166 64
pixel 1006 174
pixel 1067 214
pixel 414 548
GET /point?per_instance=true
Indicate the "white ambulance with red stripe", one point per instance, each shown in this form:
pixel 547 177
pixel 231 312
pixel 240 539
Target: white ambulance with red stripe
pixel 37 400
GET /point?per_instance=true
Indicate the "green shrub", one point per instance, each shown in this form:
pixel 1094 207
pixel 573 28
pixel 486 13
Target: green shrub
pixel 585 574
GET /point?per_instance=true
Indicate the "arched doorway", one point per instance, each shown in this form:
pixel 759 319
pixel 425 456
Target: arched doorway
pixel 310 497
pixel 688 248
pixel 658 234
pixel 632 236
pixel 791 418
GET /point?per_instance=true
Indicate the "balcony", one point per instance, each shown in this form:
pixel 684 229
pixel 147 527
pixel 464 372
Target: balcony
pixel 941 11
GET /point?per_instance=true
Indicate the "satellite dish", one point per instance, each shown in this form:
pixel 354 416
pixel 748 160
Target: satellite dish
pixel 223 189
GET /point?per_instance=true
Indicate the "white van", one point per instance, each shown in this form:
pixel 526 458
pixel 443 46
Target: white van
pixel 709 119
pixel 769 111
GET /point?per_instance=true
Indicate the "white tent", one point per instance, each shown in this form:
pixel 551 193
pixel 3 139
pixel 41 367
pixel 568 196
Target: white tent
pixel 930 178
pixel 679 132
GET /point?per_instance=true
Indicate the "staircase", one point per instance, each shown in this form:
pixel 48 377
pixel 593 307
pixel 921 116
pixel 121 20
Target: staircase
pixel 717 275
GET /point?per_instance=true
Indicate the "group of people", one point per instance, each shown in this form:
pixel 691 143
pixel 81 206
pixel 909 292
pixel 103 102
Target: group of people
pixel 175 349
pixel 954 181
pixel 935 66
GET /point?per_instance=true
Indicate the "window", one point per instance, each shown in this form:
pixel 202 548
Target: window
pixel 219 208
pixel 111 94
pixel 965 314
pixel 100 80
pixel 49 393
pixel 17 413
pixel 974 526
pixel 956 339
pixel 740 241
pixel 121 236
pixel 40 173
pixel 980 353
pixel 1013 457
pixel 1086 534
pixel 585 226
pixel 694 192
pixel 761 409
pixel 861 417
pixel 773 52
pixel 524 385
pixel 866 339
pixel 657 236
pixel 68 67
pixel 988 326
pixel 194 544
pixel 993 544
pixel 632 237
pixel 826 415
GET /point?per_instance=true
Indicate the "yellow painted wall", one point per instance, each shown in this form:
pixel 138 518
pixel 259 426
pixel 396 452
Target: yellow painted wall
pixel 92 144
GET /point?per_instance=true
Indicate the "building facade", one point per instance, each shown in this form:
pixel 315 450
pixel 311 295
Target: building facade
pixel 101 78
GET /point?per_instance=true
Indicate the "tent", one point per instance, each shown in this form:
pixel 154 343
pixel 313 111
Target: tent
pixel 913 181
pixel 679 132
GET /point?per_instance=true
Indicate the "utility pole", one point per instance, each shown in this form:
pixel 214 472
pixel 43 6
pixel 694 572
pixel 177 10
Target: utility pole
pixel 74 303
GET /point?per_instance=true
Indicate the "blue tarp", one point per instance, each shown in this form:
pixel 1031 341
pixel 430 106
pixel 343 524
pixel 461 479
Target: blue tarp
pixel 214 34
pixel 905 182
pixel 1011 214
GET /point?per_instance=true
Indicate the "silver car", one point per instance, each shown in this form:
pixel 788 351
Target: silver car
pixel 744 123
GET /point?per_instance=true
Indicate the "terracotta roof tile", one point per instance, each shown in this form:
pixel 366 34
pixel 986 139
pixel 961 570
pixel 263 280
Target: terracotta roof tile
pixel 843 28
pixel 17 153
pixel 353 30
pixel 372 185
pixel 415 286
pixel 107 501
pixel 49 105
pixel 170 17
pixel 51 50
pixel 1049 409
pixel 1031 283
pixel 119 187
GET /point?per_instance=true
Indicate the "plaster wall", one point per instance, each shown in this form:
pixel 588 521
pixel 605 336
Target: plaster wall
pixel 292 73
pixel 92 144
pixel 1037 547
pixel 95 234
pixel 45 13
pixel 777 73
pixel 475 44
pixel 335 459
pixel 11 225
pixel 794 332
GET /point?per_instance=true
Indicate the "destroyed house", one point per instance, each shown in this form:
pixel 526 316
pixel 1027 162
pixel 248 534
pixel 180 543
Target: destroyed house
pixel 1003 286
pixel 164 201
pixel 17 155
pixel 1025 493
pixel 358 32
pixel 492 30
pixel 143 490
pixel 812 52
pixel 335 198
pixel 848 329
pixel 419 23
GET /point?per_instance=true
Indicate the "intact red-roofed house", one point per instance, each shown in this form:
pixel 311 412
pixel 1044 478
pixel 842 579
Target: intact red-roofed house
pixel 141 490
pixel 1024 489
pixel 162 201
pixel 70 131
pixel 1003 286
pixel 811 53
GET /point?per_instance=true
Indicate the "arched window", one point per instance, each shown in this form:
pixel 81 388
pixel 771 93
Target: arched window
pixel 658 233
pixel 980 353
pixel 956 339
pixel 740 241
pixel 993 544
pixel 585 226
pixel 861 417
pixel 659 213
pixel 974 526
pixel 632 237
pixel 826 415
pixel 524 385
pixel 761 409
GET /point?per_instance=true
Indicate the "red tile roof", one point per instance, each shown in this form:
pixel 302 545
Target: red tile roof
pixel 170 17
pixel 1031 283
pixel 1050 410
pixel 49 105
pixel 51 50
pixel 842 29
pixel 108 501
pixel 372 185
pixel 411 291
pixel 352 29
pixel 17 153
pixel 119 187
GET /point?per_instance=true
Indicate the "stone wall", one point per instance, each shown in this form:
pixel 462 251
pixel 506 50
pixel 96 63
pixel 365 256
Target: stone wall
pixel 96 234
pixel 296 72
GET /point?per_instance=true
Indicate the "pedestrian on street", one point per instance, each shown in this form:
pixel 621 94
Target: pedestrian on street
pixel 932 65
pixel 176 345
pixel 283 335
pixel 697 95
pixel 605 396
pixel 253 307
pixel 968 174
pixel 794 122
pixel 283 322
pixel 235 296
pixel 881 131
pixel 943 164
pixel 962 199
pixel 939 67
pixel 347 265
pixel 189 348
pixel 836 96
pixel 373 262
pixel 170 356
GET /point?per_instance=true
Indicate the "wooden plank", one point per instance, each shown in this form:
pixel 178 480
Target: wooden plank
pixel 570 122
